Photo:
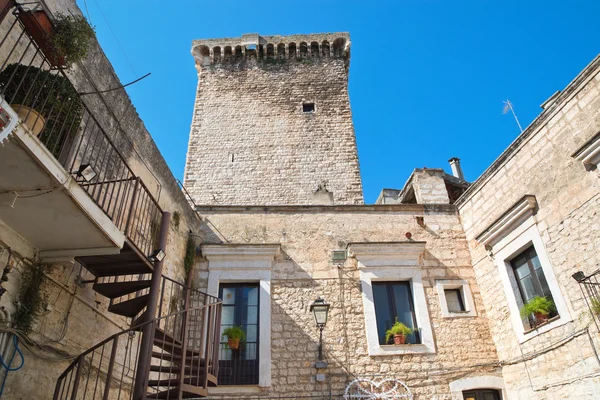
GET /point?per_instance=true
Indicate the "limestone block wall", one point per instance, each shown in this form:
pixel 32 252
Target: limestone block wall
pixel 250 140
pixel 563 361
pixel 304 271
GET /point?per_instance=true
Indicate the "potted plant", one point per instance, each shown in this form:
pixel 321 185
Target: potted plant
pixel 398 331
pixel 46 102
pixel 64 40
pixel 235 335
pixel 540 307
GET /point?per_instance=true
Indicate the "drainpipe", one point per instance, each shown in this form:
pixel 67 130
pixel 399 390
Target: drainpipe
pixel 144 360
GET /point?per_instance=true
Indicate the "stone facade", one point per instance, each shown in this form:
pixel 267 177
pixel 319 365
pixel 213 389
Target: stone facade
pixel 561 362
pixel 303 271
pixel 251 142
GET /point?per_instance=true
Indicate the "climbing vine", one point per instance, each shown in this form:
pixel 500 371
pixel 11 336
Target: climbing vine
pixel 190 255
pixel 32 298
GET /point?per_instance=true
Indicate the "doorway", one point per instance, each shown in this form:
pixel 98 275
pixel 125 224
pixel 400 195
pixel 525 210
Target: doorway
pixel 482 394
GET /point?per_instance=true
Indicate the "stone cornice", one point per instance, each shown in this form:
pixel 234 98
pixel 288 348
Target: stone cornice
pixel 349 208
pixel 387 254
pixel 589 153
pixel 240 256
pixel 522 209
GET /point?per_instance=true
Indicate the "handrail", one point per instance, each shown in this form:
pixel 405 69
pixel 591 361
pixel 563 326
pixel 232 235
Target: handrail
pixel 47 102
pixel 210 321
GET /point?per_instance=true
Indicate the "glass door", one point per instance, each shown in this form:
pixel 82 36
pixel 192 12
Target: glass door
pixel 240 308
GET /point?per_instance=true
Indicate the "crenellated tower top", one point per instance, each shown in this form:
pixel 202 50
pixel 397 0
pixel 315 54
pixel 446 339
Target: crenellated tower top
pixel 252 46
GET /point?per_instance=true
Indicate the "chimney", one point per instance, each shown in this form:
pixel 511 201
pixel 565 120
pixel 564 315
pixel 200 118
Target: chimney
pixel 456 169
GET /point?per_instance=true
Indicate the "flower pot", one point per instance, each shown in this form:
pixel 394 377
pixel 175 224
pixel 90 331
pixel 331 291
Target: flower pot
pixel 40 28
pixel 540 318
pixel 30 118
pixel 233 343
pixel 399 339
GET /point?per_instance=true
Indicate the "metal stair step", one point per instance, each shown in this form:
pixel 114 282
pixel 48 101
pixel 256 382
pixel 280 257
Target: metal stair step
pixel 129 308
pixel 113 290
pixel 187 391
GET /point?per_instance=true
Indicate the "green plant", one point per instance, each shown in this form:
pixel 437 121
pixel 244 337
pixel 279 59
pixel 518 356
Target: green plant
pixel 538 305
pixel 32 298
pixel 234 332
pixel 50 94
pixel 190 255
pixel 72 37
pixel 397 329
pixel 176 219
pixel 595 306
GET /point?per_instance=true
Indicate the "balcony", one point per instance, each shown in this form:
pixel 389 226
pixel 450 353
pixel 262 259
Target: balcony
pixel 64 187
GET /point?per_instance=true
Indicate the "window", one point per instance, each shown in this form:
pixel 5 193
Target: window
pixel 394 300
pixel 530 279
pixel 454 300
pixel 308 107
pixel 240 308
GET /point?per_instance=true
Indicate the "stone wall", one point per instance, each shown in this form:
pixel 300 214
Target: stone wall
pixel 251 142
pixel 562 362
pixel 304 271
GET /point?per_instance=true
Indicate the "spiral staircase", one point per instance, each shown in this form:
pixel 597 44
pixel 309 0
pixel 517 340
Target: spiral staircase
pixel 171 350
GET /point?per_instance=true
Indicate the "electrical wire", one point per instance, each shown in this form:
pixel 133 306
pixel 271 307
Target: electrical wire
pixel 8 367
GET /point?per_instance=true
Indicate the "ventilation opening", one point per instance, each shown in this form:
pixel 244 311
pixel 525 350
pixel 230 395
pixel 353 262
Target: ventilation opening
pixel 308 107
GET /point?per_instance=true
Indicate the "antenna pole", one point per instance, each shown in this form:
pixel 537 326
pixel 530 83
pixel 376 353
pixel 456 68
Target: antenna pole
pixel 509 105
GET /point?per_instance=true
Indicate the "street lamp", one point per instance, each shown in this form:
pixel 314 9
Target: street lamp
pixel 320 310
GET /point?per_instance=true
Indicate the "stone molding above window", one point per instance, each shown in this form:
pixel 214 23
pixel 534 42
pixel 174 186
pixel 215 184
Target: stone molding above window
pixel 477 382
pixel 521 210
pixel 393 262
pixel 589 153
pixel 467 298
pixel 246 263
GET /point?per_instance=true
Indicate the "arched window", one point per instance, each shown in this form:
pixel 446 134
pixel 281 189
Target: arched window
pixel 270 50
pixel 303 50
pixel 325 49
pixel 281 50
pixel 228 53
pixel 292 50
pixel 217 53
pixel 314 49
pixel 338 47
pixel 238 52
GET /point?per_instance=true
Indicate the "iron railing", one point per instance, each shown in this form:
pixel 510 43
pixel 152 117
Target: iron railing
pixel 108 370
pixel 47 102
pixel 590 288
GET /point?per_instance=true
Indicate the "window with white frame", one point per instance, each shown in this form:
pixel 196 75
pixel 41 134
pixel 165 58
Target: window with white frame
pixel 516 247
pixel 392 286
pixel 455 298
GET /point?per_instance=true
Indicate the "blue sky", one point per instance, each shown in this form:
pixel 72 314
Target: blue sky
pixel 427 78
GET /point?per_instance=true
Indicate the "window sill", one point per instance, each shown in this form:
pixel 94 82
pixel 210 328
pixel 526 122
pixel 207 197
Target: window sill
pixel 552 323
pixel 460 314
pixel 400 349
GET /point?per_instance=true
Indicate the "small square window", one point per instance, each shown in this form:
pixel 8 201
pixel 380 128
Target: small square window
pixel 308 107
pixel 454 300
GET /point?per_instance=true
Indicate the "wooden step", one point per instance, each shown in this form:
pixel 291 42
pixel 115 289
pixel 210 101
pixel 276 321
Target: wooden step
pixel 130 308
pixel 113 290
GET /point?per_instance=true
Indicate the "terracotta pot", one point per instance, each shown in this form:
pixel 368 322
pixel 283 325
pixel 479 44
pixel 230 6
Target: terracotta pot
pixel 40 28
pixel 233 343
pixel 540 318
pixel 399 339
pixel 31 118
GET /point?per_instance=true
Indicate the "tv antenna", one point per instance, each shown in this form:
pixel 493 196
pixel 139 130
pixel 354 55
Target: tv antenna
pixel 509 107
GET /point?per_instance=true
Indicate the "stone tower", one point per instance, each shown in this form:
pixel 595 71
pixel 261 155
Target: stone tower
pixel 272 123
